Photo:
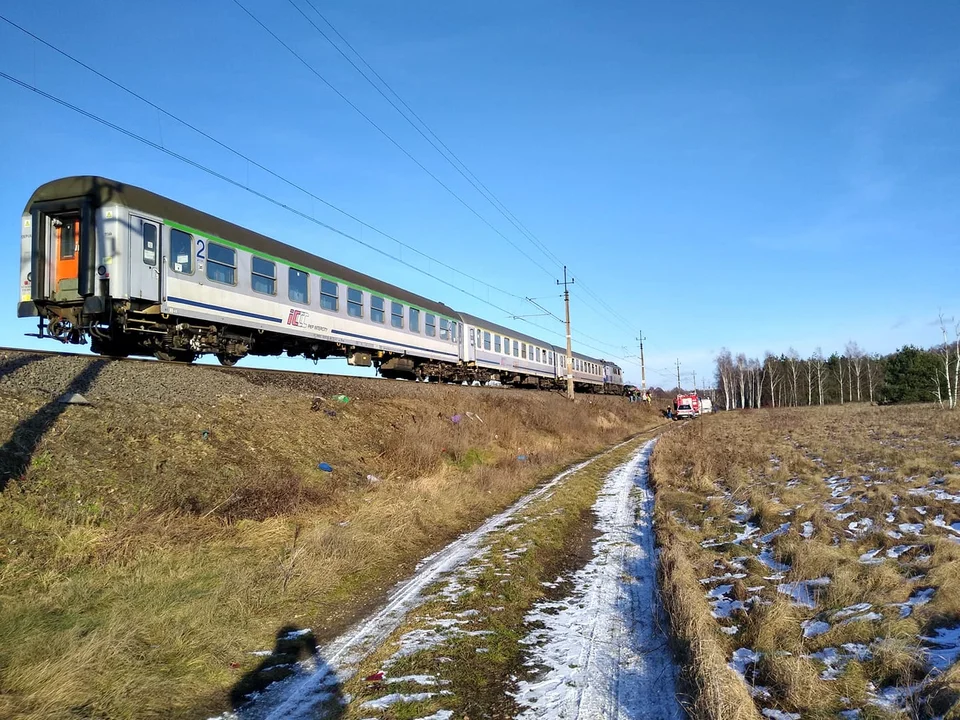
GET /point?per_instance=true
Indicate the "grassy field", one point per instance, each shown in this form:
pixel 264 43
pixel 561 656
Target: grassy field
pixel 148 549
pixel 810 561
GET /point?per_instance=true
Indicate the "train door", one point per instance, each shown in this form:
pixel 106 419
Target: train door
pixel 66 262
pixel 145 259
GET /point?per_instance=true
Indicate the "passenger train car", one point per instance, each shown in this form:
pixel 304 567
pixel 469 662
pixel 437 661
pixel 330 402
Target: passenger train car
pixel 144 275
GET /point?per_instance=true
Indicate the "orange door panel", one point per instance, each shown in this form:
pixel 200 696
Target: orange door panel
pixel 68 267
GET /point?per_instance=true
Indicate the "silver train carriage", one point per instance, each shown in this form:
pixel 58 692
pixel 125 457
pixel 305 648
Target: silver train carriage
pixel 141 274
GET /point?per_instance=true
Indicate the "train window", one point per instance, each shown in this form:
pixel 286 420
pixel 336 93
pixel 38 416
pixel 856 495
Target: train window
pixel 354 302
pixel 396 315
pixel 506 346
pixel 221 264
pixel 551 357
pixel 376 309
pixel 181 252
pixel 496 343
pixel 523 350
pixel 516 348
pixel 329 295
pixel 67 235
pixel 431 325
pixel 298 286
pixel 263 276
pixel 453 330
pixel 149 243
pixel 538 354
pixel 444 329
pixel 414 320
pixel 486 340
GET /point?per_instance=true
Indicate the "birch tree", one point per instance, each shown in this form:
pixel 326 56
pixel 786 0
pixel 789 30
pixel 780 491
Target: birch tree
pixel 855 359
pixel 742 370
pixel 725 371
pixel 818 364
pixel 770 362
pixel 946 353
pixel 839 372
pixel 793 364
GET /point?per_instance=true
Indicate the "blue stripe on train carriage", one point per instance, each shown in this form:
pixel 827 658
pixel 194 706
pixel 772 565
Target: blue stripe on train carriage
pixel 382 341
pixel 220 308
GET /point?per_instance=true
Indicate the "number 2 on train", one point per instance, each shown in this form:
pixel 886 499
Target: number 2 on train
pixel 201 246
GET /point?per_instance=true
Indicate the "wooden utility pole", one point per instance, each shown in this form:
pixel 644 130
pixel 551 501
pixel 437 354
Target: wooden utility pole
pixel 566 301
pixel 643 371
pixel 679 389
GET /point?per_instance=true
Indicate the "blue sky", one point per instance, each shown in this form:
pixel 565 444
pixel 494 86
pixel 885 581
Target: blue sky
pixel 748 175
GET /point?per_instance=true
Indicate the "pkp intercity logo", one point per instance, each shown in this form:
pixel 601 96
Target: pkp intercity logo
pixel 298 318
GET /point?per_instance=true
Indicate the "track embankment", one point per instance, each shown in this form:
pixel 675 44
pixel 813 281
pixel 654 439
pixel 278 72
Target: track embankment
pixel 166 545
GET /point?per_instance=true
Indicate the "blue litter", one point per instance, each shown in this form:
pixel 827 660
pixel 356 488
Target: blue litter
pixel 521 458
pixel 325 467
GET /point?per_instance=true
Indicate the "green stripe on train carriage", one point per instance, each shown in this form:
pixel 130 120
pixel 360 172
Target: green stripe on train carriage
pixel 301 268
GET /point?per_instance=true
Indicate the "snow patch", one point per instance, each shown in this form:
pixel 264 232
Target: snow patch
pixel 601 647
pixel 802 591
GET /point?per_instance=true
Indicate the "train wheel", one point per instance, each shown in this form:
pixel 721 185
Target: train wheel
pixel 227 360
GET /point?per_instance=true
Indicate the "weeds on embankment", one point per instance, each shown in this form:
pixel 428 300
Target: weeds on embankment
pixel 149 548
pixel 810 561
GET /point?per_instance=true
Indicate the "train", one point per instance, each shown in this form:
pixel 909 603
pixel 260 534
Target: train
pixel 137 273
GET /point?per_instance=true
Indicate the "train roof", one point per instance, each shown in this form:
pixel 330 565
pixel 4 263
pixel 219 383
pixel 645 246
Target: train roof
pixel 105 192
pixel 503 330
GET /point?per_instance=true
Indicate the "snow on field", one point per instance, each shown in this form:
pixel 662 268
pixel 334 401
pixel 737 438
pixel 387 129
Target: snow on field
pixel 803 592
pixel 600 651
pixel 315 683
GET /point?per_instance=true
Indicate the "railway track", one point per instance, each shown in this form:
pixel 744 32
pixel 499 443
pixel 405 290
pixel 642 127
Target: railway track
pixel 220 368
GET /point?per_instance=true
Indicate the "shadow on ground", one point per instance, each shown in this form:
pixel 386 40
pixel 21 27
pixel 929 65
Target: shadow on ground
pixel 17 452
pixel 293 645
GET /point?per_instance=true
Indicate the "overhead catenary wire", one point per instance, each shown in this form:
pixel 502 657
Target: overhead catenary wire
pixel 242 186
pixel 238 184
pixel 255 163
pixel 389 137
pixel 430 136
pixel 449 155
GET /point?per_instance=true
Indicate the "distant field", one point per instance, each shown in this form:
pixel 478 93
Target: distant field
pixel 811 561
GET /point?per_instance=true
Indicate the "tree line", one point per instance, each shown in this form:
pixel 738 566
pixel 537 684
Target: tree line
pixel 910 374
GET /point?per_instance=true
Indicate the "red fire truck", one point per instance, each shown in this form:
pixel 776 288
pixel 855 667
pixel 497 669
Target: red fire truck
pixel 686 406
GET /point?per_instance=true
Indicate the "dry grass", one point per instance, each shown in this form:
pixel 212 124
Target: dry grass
pixel 771 468
pixel 148 550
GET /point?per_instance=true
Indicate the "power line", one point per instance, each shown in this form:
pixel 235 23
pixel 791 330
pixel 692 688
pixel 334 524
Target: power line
pixel 236 183
pixel 388 136
pixel 277 176
pixel 449 155
pixel 253 162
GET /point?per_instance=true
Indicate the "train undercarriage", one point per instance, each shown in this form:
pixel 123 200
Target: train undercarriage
pixel 122 329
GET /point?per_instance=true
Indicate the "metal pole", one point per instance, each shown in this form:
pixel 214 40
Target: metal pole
pixel 679 389
pixel 566 301
pixel 694 382
pixel 643 371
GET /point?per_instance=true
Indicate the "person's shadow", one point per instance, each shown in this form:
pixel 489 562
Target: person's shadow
pixel 293 645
